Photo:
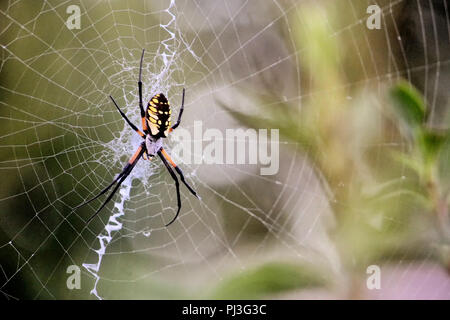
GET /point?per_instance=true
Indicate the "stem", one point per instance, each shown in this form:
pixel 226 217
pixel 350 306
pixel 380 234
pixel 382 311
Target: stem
pixel 440 209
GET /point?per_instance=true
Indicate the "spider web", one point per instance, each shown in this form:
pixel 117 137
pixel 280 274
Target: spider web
pixel 62 141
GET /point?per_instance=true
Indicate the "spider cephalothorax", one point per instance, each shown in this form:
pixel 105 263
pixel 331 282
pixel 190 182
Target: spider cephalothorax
pixel 155 125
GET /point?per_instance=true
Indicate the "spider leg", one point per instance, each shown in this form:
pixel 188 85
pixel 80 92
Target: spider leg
pixel 102 192
pixel 127 120
pixel 176 124
pixel 178 170
pixel 141 105
pixel 120 178
pixel 177 185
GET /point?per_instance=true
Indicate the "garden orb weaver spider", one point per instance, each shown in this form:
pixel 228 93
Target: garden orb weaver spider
pixel 155 126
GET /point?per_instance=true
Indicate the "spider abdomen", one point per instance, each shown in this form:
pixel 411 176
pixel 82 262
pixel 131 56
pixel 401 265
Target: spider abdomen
pixel 158 116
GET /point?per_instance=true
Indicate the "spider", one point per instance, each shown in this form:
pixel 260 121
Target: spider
pixel 155 126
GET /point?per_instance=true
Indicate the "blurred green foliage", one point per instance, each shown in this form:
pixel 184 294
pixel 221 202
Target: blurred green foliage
pixel 385 213
pixel 266 280
pixel 409 104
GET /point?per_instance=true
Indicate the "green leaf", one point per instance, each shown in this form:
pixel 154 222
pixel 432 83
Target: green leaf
pixel 409 161
pixel 392 189
pixel 268 279
pixel 246 119
pixel 430 143
pixel 408 103
pixel 285 121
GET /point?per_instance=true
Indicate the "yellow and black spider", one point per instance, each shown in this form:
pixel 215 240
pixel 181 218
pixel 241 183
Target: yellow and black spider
pixel 155 126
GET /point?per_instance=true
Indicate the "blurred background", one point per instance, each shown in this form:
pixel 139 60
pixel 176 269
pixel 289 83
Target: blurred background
pixel 364 176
